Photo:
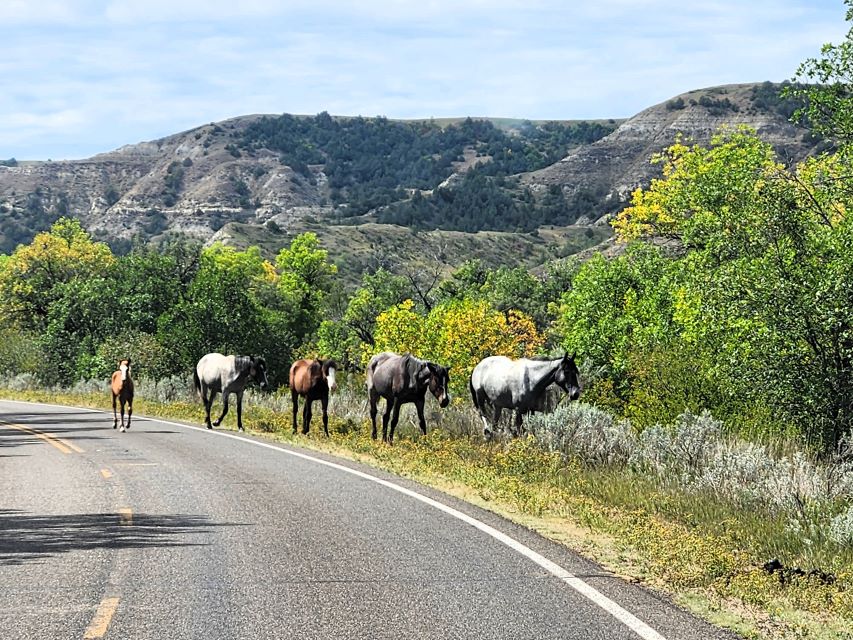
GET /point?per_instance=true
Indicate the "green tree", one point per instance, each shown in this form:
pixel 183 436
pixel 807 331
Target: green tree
pixel 305 281
pixel 31 279
pixel 765 295
pixel 825 84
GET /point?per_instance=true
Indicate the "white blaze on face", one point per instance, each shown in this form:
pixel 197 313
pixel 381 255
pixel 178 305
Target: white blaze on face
pixel 331 379
pixel 123 368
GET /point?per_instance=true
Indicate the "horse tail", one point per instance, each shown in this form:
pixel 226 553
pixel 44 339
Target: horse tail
pixel 473 395
pixel 196 382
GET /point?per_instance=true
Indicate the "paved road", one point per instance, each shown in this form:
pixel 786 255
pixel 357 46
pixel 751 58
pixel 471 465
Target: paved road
pixel 170 531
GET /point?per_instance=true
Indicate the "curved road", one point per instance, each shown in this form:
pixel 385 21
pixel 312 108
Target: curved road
pixel 171 531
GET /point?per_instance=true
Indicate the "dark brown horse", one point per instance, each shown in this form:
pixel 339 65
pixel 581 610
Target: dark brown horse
pixel 121 386
pixel 312 379
pixel 401 379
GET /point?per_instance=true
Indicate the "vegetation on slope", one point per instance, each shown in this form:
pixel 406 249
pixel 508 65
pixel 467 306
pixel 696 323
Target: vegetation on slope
pixel 376 162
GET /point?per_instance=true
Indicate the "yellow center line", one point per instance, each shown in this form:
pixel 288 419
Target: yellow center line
pixel 63 445
pixel 98 627
pixel 106 473
pixel 125 517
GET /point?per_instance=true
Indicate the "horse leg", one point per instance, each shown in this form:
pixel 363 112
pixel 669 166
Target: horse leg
pixel 374 400
pixel 294 400
pixel 325 402
pixel 389 404
pixel 224 408
pixel 121 402
pixel 306 415
pixel 517 430
pixel 129 410
pixel 496 418
pixel 115 414
pixel 239 410
pixel 419 404
pixel 207 396
pixel 394 419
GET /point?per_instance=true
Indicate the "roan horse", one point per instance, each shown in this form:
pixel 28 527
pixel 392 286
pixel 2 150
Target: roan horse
pixel 121 386
pixel 402 379
pixel 312 379
pixel 519 385
pixel 216 373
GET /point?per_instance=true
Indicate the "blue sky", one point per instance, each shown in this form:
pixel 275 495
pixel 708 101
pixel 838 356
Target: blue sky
pixel 81 77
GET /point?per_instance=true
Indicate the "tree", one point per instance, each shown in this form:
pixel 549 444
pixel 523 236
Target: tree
pixel 31 279
pixel 826 86
pixel 765 294
pixel 305 280
pixel 456 333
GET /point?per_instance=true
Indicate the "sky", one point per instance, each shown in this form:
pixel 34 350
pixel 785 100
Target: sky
pixel 80 77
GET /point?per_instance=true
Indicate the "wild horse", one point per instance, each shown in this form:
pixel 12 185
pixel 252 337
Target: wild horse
pixel 312 379
pixel 401 379
pixel 520 385
pixel 121 387
pixel 216 373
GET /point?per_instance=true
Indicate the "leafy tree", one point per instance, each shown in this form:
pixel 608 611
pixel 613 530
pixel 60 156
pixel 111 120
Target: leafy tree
pixel 231 306
pixel 305 281
pixel 32 278
pixel 457 333
pixel 826 85
pixel 764 297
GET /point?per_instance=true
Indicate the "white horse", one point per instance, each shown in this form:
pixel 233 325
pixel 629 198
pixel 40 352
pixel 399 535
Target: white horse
pixel 520 385
pixel 216 373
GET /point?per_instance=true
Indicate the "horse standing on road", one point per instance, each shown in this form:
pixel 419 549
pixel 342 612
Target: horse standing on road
pixel 401 379
pixel 216 373
pixel 121 387
pixel 312 379
pixel 520 385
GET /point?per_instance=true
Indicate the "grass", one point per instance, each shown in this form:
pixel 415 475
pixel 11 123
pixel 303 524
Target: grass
pixel 707 553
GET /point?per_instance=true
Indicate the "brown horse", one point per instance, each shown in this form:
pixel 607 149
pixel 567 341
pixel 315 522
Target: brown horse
pixel 312 379
pixel 121 386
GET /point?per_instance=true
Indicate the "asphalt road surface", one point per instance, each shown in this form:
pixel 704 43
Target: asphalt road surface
pixel 172 531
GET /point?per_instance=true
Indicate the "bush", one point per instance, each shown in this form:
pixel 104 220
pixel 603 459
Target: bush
pixel 581 431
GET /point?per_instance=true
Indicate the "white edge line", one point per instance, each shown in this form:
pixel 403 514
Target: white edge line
pixel 591 593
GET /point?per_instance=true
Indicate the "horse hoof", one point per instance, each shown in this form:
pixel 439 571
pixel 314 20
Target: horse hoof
pixel 209 427
pixel 115 426
pixel 241 429
pixel 217 423
pixel 122 430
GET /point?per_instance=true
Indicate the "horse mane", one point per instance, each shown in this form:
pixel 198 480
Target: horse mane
pixel 242 363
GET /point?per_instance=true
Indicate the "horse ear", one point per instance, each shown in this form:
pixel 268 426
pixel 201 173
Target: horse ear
pixel 574 353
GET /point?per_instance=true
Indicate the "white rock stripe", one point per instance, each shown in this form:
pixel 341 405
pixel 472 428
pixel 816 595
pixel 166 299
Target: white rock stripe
pixel 591 593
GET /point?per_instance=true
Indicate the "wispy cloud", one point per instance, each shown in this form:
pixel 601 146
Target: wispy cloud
pixel 86 76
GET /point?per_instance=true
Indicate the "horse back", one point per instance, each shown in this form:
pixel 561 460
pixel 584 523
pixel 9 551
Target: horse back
pixel 305 375
pixel 382 370
pixel 215 370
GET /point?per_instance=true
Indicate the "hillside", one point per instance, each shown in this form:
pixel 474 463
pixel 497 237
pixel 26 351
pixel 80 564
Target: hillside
pixel 253 175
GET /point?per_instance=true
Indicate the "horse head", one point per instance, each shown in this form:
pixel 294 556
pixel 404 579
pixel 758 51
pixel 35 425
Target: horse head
pixel 258 371
pixel 439 382
pixel 567 377
pixel 124 367
pixel 330 367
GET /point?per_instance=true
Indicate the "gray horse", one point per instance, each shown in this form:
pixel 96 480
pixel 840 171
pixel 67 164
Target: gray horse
pixel 401 379
pixel 216 373
pixel 520 385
